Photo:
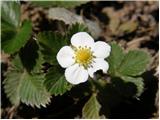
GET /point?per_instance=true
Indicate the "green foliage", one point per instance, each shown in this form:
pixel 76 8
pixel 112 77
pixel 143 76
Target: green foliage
pixel 32 91
pixel 26 82
pixel 91 108
pixel 138 82
pixel 128 66
pixel 14 35
pixel 29 54
pixel 18 38
pixel 134 63
pixel 12 85
pixel 66 4
pixel 22 86
pixel 76 28
pixel 115 58
pixel 10 13
pixel 51 43
pixel 55 81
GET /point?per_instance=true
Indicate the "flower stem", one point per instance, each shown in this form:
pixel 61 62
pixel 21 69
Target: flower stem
pixel 93 86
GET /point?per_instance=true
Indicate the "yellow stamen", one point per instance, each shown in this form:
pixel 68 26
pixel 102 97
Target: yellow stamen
pixel 84 56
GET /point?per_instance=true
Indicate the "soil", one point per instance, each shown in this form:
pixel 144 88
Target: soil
pixel 145 37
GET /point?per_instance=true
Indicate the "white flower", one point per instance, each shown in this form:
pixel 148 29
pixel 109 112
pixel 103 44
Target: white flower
pixel 83 58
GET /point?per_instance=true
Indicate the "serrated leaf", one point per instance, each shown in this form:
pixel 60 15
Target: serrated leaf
pixel 12 86
pixel 134 63
pixel 31 57
pixel 91 109
pixel 55 81
pixel 22 86
pixel 74 29
pixel 29 54
pixel 128 66
pixel 66 4
pixel 39 64
pixel 10 11
pixel 128 26
pixel 18 40
pixel 32 92
pixel 138 82
pixel 115 58
pixel 50 44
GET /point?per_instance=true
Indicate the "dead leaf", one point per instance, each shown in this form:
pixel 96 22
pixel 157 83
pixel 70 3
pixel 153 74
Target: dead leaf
pixel 128 27
pixel 70 18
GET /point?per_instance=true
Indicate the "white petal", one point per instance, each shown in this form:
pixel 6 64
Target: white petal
pixel 99 64
pixel 76 74
pixel 82 39
pixel 101 49
pixel 65 56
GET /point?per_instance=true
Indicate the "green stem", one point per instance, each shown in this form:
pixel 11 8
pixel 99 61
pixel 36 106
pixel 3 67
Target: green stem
pixel 93 87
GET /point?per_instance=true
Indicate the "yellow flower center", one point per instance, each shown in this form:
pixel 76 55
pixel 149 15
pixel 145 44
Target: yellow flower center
pixel 84 56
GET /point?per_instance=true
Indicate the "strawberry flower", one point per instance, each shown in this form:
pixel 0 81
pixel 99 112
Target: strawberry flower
pixel 83 58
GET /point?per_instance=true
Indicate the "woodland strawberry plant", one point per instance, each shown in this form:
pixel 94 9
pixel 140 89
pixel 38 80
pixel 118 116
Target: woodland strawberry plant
pixel 72 61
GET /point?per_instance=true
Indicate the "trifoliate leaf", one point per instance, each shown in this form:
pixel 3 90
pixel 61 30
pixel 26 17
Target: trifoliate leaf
pixel 138 82
pixel 50 44
pixel 128 66
pixel 134 63
pixel 115 58
pixel 10 13
pixel 55 81
pixel 66 4
pixel 91 109
pixel 28 88
pixel 18 39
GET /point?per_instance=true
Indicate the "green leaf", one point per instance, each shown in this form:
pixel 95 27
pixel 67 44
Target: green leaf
pixel 50 44
pixel 77 27
pixel 10 13
pixel 66 4
pixel 91 108
pixel 22 86
pixel 138 82
pixel 11 86
pixel 30 56
pixel 32 91
pixel 55 81
pixel 134 63
pixel 128 66
pixel 115 58
pixel 18 40
pixel 128 27
pixel 14 36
